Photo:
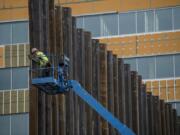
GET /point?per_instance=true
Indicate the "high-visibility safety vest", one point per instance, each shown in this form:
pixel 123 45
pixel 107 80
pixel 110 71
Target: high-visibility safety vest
pixel 43 59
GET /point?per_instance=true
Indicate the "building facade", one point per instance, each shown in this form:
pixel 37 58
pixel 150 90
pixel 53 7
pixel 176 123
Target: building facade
pixel 146 33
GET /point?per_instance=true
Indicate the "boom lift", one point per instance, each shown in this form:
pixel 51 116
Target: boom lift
pixel 52 86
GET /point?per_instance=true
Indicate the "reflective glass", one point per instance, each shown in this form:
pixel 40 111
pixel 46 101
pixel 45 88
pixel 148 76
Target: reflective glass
pixel 79 22
pixel 149 21
pixel 140 22
pixel 132 62
pixel 127 23
pixel 5 125
pixel 20 78
pixel 20 124
pixel 178 108
pixel 146 67
pixel 164 66
pixel 5 79
pixel 177 65
pixel 163 19
pixel 109 24
pixel 5 33
pixel 92 24
pixel 20 32
pixel 176 12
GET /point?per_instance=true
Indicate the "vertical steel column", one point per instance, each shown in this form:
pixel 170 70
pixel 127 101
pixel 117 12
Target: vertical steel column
pixel 96 85
pixel 103 85
pixel 88 78
pixel 121 90
pixel 110 87
pixel 135 102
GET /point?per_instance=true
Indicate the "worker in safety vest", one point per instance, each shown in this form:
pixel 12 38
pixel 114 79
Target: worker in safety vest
pixel 40 59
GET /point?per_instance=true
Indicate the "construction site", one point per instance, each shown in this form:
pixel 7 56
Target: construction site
pixel 112 67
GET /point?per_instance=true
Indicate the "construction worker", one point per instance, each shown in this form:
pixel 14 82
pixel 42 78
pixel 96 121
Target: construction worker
pixel 40 59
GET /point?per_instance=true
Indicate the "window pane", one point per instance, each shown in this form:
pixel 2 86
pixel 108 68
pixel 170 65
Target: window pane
pixel 164 65
pixel 178 108
pixel 5 33
pixel 132 62
pixel 79 22
pixel 146 67
pixel 20 78
pixel 20 32
pixel 5 79
pixel 109 24
pixel 127 23
pixel 92 24
pixel 177 18
pixel 20 121
pixel 177 65
pixel 140 22
pixel 164 19
pixel 149 21
pixel 5 125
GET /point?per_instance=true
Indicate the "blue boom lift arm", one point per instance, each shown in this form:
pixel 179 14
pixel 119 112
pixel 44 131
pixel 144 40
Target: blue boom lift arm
pixel 51 85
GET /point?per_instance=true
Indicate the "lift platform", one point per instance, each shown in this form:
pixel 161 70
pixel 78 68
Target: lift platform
pixel 52 86
pixel 49 85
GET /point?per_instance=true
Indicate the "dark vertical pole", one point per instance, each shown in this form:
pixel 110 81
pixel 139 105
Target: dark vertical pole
pixel 163 117
pixel 175 121
pixel 157 116
pixel 171 119
pixel 128 95
pixel 88 79
pixel 67 42
pixel 167 119
pixel 145 110
pixel 116 87
pixel 135 115
pixel 96 85
pixel 103 85
pixel 59 51
pixel 121 90
pixel 75 76
pixel 110 87
pixel 81 74
pixel 38 32
pixel 50 34
pixel 140 113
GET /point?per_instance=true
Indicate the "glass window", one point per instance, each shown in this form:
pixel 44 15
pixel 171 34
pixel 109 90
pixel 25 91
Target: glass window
pixel 127 23
pixel 146 67
pixel 149 21
pixel 177 65
pixel 5 125
pixel 20 121
pixel 5 79
pixel 140 22
pixel 79 22
pixel 164 66
pixel 163 19
pixel 20 78
pixel 109 24
pixel 92 24
pixel 132 62
pixel 20 32
pixel 177 18
pixel 5 33
pixel 178 108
